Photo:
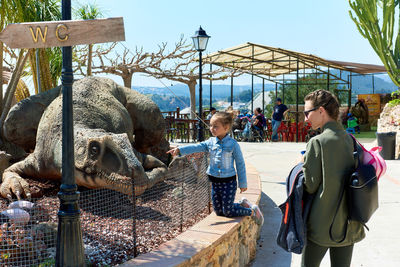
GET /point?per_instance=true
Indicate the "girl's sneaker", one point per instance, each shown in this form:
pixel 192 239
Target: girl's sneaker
pixel 258 217
pixel 245 203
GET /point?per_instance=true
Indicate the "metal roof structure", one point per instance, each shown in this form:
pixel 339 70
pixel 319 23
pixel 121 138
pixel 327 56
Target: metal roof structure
pixel 272 62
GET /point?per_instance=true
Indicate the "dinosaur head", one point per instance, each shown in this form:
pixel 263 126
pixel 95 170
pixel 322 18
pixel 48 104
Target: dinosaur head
pixel 105 160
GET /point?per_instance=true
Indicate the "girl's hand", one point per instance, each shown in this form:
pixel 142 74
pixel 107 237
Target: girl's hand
pixel 174 152
pixel 242 190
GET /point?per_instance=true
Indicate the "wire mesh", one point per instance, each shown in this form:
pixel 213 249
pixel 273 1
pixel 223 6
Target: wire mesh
pixel 28 230
pixel 114 226
pixel 173 205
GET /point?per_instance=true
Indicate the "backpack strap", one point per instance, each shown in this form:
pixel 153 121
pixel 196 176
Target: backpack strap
pixel 355 151
pixel 357 160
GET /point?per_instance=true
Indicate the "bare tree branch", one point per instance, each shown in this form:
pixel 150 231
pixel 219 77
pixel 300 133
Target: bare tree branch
pixel 178 64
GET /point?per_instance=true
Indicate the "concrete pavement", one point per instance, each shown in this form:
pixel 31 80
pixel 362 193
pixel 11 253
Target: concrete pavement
pixel 273 161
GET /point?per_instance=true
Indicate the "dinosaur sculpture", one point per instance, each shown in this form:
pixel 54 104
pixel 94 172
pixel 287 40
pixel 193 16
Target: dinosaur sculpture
pixel 115 129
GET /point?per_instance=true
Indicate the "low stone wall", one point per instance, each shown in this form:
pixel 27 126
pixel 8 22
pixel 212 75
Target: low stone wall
pixel 215 241
pixel 389 121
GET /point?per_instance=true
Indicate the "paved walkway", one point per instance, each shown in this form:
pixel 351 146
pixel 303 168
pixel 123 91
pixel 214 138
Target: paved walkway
pixel 273 161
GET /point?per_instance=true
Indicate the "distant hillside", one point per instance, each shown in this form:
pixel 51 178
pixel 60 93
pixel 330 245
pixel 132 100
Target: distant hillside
pixel 219 91
pixel 165 98
pixel 363 84
pixel 170 102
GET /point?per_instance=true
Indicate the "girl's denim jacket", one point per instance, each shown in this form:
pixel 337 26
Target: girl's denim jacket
pixel 222 154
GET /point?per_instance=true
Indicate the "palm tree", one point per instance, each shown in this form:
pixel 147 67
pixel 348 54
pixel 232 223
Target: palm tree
pixel 5 9
pixel 9 15
pixel 43 10
pixel 26 11
pixel 89 11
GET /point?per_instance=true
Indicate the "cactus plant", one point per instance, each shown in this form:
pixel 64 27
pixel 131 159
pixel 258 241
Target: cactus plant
pixel 380 35
pixel 376 21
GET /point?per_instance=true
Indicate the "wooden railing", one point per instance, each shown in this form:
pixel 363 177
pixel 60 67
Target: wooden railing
pixel 185 130
pixel 178 115
pixel 175 114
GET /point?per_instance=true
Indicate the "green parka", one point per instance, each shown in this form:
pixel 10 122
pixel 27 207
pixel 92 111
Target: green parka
pixel 328 162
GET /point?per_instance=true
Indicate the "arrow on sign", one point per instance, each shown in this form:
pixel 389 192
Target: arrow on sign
pixel 63 33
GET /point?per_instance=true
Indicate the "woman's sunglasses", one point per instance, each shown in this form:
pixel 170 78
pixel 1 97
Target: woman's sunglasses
pixel 306 112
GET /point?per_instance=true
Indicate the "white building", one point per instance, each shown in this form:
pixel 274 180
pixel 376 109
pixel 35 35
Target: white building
pixel 257 102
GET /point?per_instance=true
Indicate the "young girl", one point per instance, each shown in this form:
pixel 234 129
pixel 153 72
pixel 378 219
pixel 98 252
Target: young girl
pixel 223 152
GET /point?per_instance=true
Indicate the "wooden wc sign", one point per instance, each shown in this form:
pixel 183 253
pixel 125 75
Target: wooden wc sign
pixel 63 33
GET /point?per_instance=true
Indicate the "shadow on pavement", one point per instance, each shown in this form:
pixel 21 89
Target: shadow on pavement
pixel 268 252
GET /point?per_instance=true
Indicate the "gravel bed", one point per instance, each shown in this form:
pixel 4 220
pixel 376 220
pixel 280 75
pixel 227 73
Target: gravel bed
pixel 107 220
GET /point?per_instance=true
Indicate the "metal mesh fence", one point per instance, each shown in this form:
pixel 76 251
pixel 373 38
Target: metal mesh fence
pixel 115 227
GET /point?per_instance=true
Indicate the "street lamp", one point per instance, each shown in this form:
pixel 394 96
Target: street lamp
pixel 69 249
pixel 200 40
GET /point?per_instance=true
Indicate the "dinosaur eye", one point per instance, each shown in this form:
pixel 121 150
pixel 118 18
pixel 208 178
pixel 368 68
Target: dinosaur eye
pixel 94 150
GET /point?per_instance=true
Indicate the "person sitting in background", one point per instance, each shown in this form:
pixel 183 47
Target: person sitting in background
pixel 212 112
pixel 352 122
pixel 344 116
pixel 259 121
pixel 247 134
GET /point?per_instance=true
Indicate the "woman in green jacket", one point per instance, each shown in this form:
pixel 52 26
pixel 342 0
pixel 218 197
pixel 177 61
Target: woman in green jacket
pixel 328 161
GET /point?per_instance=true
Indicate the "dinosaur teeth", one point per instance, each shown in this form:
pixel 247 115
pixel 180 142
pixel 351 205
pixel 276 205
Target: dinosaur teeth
pixel 116 181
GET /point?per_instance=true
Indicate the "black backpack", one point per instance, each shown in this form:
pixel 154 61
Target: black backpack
pixel 362 192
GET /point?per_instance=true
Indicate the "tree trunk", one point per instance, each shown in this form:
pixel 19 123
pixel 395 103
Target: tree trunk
pixel 46 82
pixel 2 15
pixel 32 61
pixel 127 80
pixel 192 90
pixel 12 86
pixel 1 74
pixel 89 62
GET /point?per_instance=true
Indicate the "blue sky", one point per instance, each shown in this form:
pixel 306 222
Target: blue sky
pixel 319 27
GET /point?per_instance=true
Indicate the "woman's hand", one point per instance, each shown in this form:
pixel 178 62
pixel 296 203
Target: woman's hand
pixel 174 152
pixel 243 190
pixel 300 159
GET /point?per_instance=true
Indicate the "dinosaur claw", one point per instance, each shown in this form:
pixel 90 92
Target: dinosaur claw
pixel 28 196
pixel 9 197
pixel 18 194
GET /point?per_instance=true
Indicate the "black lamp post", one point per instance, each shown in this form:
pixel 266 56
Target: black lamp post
pixel 69 250
pixel 200 40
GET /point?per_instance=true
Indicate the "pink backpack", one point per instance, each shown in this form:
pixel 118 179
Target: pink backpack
pixel 373 157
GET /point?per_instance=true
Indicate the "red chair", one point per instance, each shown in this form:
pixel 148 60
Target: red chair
pixel 305 129
pixel 298 130
pixel 292 132
pixel 283 132
pixel 301 134
pixel 268 131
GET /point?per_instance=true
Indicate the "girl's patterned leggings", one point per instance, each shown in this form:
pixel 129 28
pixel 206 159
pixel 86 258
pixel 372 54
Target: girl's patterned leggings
pixel 223 197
